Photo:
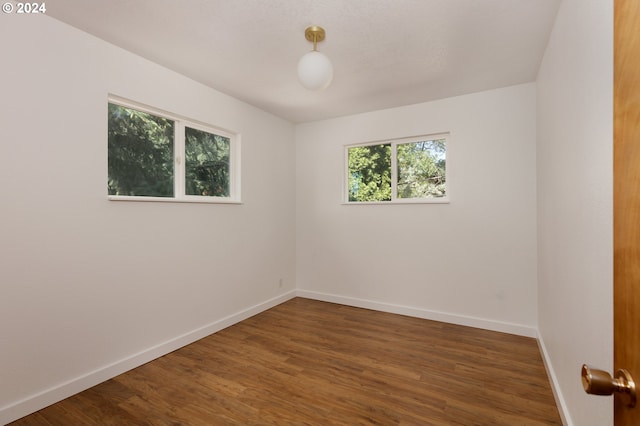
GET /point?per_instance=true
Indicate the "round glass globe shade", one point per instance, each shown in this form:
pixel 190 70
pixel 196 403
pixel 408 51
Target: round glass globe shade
pixel 315 71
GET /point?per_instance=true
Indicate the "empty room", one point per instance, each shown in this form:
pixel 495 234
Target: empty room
pixel 311 212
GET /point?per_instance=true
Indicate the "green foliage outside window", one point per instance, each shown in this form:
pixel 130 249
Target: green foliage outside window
pixel 207 163
pixel 419 169
pixel 140 153
pixel 370 173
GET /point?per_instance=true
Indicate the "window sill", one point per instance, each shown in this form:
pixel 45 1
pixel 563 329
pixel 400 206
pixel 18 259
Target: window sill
pixel 200 200
pixel 402 201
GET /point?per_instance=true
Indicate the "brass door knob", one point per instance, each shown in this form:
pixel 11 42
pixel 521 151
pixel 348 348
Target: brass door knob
pixel 598 382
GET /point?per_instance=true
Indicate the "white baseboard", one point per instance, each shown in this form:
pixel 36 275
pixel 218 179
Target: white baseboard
pixel 57 393
pixel 555 387
pixel 504 327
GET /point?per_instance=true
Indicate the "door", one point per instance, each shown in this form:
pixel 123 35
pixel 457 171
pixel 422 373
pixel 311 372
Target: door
pixel 626 200
pixel 626 220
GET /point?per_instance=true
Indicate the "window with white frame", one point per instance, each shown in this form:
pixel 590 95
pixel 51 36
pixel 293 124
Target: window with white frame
pixel 402 170
pixel 154 156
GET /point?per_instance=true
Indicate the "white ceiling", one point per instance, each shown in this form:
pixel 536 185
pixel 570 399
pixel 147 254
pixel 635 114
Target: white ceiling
pixel 385 53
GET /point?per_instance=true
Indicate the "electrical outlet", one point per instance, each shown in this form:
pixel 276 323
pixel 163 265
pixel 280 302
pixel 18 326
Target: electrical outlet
pixel 280 282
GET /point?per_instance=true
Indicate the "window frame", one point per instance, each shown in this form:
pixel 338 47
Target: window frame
pixel 179 155
pixel 394 171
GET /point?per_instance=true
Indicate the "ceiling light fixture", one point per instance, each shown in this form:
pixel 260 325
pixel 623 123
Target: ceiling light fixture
pixel 315 71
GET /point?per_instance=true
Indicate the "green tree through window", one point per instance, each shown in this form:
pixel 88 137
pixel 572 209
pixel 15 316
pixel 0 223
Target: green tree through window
pixel 140 153
pixel 422 169
pixel 370 173
pixel 402 169
pixel 207 163
pixel 159 155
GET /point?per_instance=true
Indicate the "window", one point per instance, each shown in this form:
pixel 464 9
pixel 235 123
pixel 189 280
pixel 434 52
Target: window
pixel 154 156
pixel 404 170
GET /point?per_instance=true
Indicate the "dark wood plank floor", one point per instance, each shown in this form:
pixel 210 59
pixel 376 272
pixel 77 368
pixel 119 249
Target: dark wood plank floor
pixel 313 363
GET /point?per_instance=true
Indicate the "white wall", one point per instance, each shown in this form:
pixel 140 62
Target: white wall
pixel 91 286
pixel 86 282
pixel 575 132
pixel 472 261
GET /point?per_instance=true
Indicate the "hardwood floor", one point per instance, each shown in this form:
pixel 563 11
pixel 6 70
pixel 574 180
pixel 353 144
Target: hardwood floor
pixel 314 363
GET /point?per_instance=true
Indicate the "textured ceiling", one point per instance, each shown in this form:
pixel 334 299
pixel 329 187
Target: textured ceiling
pixel 385 53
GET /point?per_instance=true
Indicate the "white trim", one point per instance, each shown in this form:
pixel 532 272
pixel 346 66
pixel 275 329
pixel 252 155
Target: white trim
pixel 440 200
pixel 555 386
pixel 486 324
pixel 187 199
pixel 394 171
pixel 36 402
pixel 179 160
pixel 234 167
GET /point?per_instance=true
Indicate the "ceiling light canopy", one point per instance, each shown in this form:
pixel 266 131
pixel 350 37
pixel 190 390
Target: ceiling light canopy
pixel 315 70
